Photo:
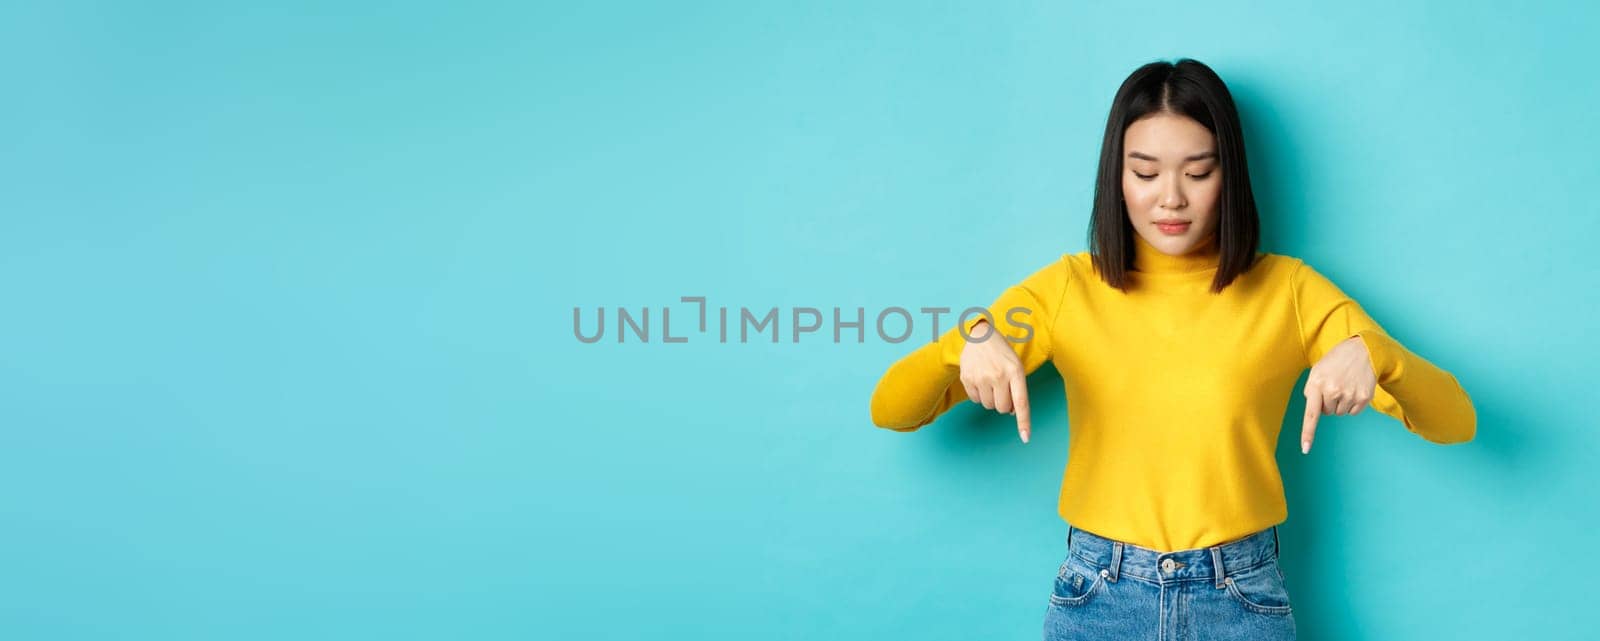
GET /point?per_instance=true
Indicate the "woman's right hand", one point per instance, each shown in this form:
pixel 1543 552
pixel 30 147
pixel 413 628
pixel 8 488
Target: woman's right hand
pixel 993 375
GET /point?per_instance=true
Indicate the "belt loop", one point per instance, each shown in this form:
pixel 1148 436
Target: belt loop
pixel 1274 540
pixel 1116 561
pixel 1216 563
pixel 1069 537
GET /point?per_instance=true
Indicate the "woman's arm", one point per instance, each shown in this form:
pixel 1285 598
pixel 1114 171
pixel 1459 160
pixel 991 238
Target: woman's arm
pixel 925 383
pixel 1426 399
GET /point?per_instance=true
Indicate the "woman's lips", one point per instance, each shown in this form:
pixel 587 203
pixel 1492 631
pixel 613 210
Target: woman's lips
pixel 1174 228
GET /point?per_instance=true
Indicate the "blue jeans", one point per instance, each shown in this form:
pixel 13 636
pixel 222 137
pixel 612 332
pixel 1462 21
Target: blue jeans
pixel 1108 589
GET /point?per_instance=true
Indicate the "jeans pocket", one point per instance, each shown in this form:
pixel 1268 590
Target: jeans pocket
pixel 1077 581
pixel 1260 589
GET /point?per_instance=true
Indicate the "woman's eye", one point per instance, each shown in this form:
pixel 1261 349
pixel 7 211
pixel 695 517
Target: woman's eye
pixel 1201 176
pixel 1144 177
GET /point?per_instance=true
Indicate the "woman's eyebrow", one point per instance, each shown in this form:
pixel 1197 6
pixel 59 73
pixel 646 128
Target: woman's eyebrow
pixel 1200 156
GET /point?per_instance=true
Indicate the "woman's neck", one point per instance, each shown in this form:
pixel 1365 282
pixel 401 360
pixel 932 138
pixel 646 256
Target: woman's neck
pixel 1150 260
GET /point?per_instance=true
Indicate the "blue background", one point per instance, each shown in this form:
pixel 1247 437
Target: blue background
pixel 287 347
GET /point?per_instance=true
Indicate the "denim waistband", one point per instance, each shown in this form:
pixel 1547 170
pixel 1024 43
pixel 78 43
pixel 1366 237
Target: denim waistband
pixel 1215 562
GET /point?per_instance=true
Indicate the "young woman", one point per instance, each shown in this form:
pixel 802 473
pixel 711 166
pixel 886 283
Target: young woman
pixel 1179 345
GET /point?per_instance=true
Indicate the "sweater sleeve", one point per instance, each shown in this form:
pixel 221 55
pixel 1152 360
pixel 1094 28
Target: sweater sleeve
pixel 925 383
pixel 1425 398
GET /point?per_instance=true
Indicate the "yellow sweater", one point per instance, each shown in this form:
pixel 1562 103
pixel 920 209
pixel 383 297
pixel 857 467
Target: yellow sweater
pixel 1175 395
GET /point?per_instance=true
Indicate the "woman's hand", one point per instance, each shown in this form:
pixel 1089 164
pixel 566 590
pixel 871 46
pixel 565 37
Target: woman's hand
pixel 993 376
pixel 1341 383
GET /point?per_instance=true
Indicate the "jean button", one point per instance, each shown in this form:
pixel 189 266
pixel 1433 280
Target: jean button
pixel 1166 564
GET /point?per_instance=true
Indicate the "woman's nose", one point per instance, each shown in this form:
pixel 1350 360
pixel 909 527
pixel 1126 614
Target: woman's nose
pixel 1172 196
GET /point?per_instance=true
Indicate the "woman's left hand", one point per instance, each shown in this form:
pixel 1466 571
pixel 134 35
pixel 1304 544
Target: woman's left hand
pixel 1341 383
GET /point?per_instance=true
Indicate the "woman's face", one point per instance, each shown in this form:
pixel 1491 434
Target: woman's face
pixel 1170 172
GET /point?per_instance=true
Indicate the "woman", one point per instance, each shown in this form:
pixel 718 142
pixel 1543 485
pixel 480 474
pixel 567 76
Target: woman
pixel 1179 345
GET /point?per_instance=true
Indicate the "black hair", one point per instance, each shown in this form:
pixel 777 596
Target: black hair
pixel 1188 88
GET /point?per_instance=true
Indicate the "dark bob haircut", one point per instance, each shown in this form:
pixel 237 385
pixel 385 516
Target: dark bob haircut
pixel 1188 88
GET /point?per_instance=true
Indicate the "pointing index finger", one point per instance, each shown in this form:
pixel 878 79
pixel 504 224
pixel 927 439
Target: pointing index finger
pixel 1019 403
pixel 1308 425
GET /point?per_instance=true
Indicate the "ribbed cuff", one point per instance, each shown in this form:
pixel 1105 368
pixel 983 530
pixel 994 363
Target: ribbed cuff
pixel 1384 353
pixel 952 342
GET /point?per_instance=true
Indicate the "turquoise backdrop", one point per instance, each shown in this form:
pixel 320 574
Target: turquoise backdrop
pixel 287 349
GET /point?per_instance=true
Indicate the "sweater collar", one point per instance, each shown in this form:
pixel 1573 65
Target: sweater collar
pixel 1148 259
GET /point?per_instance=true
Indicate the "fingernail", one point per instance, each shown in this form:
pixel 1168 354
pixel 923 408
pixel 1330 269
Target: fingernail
pixel 1305 447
